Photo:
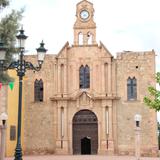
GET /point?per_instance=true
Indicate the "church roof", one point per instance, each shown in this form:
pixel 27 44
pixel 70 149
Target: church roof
pixel 65 46
pixel 102 45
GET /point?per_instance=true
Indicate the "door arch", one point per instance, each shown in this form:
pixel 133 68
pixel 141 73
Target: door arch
pixel 85 132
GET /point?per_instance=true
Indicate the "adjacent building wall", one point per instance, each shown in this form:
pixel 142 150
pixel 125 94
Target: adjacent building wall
pixel 140 65
pixel 12 110
pixel 39 130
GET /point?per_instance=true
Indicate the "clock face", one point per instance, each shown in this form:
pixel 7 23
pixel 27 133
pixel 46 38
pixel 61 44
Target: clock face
pixel 84 14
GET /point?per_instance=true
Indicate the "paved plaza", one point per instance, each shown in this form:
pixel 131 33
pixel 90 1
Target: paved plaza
pixel 83 157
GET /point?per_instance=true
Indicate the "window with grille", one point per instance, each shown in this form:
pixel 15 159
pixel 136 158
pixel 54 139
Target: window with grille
pixel 38 90
pixel 132 88
pixel 12 133
pixel 84 77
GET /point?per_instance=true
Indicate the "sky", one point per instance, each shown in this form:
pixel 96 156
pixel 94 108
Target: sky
pixel 132 25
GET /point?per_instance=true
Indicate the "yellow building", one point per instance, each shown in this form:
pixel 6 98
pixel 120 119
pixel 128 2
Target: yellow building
pixel 12 109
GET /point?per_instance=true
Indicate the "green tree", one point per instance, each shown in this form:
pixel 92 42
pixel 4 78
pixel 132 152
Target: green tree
pixel 153 100
pixel 4 3
pixel 9 26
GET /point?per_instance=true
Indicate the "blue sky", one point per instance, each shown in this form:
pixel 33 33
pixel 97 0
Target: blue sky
pixel 121 24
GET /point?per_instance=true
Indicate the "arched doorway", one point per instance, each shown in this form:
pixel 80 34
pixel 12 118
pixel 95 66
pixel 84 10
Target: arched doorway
pixel 85 132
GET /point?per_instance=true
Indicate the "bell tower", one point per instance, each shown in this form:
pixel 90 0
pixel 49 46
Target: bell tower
pixel 85 27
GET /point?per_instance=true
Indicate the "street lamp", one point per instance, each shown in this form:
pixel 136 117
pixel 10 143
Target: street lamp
pixel 137 119
pixel 3 118
pixel 21 65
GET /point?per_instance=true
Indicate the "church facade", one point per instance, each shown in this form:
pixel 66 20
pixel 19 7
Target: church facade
pixel 83 100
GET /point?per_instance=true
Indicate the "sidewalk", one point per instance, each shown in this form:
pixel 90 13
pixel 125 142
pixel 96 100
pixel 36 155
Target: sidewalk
pixel 83 157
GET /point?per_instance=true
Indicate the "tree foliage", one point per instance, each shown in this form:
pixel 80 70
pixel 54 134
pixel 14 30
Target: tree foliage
pixel 9 26
pixel 153 100
pixel 4 3
pixel 159 126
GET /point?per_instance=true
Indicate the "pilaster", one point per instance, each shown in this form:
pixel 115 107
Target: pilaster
pixel 62 142
pixel 109 79
pixel 107 142
pixel 65 79
pixel 110 142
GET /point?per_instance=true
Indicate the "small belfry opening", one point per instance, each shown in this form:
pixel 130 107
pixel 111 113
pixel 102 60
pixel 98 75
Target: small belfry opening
pixel 80 38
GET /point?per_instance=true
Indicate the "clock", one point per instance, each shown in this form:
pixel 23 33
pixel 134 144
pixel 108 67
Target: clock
pixel 84 14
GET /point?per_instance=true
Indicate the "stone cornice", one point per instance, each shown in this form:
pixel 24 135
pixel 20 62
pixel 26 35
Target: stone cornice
pixel 56 98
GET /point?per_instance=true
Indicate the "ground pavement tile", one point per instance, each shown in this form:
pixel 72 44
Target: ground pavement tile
pixel 83 157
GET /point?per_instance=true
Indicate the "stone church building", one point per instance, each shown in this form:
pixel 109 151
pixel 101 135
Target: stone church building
pixel 83 100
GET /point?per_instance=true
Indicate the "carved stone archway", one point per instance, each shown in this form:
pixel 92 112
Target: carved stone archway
pixel 85 132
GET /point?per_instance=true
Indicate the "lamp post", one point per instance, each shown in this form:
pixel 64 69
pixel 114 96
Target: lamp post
pixel 158 135
pixel 3 118
pixel 21 65
pixel 137 119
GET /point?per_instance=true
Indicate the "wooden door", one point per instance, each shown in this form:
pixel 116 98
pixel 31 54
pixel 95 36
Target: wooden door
pixel 85 131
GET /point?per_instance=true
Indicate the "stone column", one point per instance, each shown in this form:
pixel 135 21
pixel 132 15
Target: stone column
pixel 115 134
pixel 85 39
pixel 109 79
pixel 59 122
pixel 91 78
pixel 65 79
pixel 59 77
pixel 2 147
pixel 62 138
pixel 55 90
pixel 104 124
pixel 103 140
pixel 65 123
pixel 110 122
pixel 114 79
pixel 137 143
pixel 110 137
pixel 59 138
pixel 76 77
pixel 70 136
pixel 103 85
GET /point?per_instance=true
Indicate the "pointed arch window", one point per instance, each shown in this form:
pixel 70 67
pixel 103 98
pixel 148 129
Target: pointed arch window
pixel 84 77
pixel 38 90
pixel 131 88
